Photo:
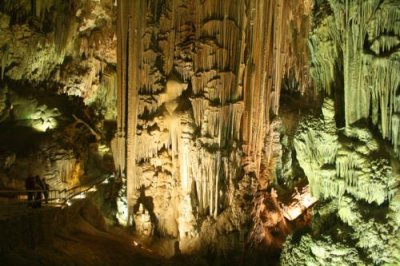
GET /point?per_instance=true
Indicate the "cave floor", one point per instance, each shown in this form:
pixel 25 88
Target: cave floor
pixel 82 244
pixel 17 210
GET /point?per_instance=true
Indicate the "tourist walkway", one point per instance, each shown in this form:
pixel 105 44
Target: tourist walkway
pixel 15 202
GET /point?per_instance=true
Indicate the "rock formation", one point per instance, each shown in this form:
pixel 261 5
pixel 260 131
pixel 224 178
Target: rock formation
pixel 198 85
pixel 58 84
pixel 217 118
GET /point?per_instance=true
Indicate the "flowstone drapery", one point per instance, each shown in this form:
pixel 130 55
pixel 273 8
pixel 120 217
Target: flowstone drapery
pixel 351 173
pixel 198 84
pixel 355 59
pixel 349 162
pixel 361 41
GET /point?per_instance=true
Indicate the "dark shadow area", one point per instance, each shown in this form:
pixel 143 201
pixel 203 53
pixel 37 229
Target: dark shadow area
pixel 148 204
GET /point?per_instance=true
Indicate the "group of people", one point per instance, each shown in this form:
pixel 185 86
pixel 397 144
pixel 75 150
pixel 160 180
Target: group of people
pixel 36 187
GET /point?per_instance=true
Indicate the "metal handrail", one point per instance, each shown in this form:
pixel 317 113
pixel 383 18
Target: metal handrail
pixel 74 191
pixel 55 197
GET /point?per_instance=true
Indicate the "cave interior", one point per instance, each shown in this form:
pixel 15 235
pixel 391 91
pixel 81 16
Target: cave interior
pixel 203 132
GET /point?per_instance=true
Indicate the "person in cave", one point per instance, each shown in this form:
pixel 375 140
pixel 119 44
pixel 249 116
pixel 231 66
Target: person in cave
pixel 46 188
pixel 30 186
pixel 38 192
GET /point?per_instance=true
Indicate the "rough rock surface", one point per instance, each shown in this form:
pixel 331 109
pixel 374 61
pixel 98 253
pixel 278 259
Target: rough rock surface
pixel 58 84
pixel 202 86
pixel 349 171
pixel 355 56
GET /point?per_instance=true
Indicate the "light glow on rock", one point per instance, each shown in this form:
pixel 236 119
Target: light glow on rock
pixel 43 125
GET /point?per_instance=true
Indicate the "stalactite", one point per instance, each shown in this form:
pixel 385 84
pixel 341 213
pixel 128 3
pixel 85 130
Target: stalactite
pixel 147 147
pixel 148 104
pixel 4 62
pixel 206 173
pixel 199 105
pixel 222 89
pixel 84 47
pixel 336 166
pixel 201 79
pixel 223 123
pixel 273 57
pixel 118 149
pixel 230 68
pixel 324 55
pixel 130 23
pixel 42 6
pixel 68 170
pixel 110 82
pixel 171 38
pixel 395 131
pixel 65 24
pixel 367 34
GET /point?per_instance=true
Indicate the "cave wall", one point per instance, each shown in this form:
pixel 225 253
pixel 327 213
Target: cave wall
pixel 57 86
